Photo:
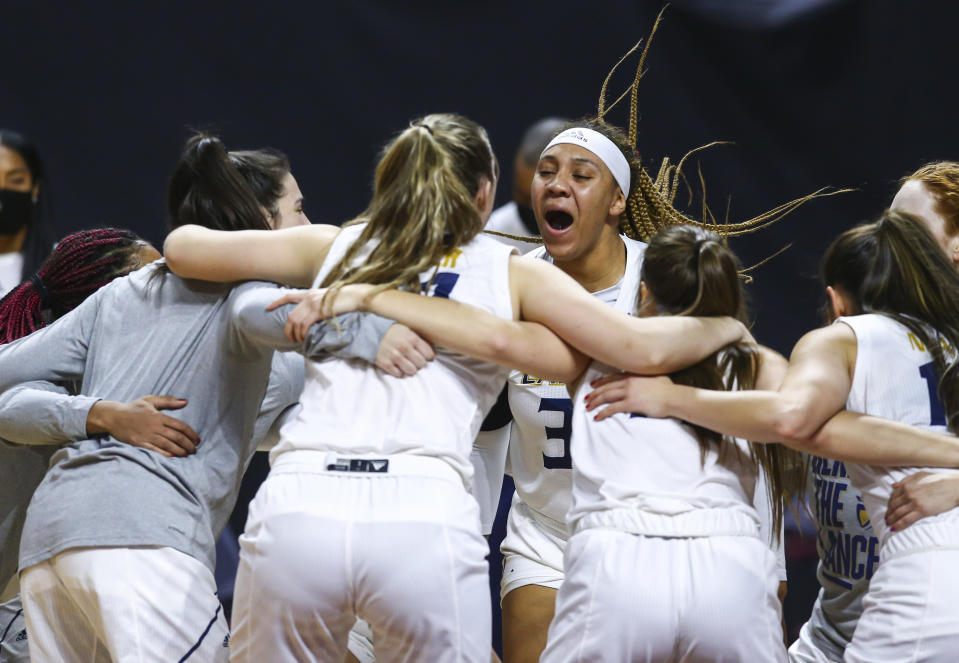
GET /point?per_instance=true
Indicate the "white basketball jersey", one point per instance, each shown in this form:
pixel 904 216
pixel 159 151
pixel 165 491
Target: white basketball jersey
pixel 351 407
pixel 895 378
pixel 648 476
pixel 848 555
pixel 539 448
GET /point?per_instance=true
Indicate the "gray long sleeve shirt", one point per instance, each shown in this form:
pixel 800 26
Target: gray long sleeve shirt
pixel 208 343
pixel 36 413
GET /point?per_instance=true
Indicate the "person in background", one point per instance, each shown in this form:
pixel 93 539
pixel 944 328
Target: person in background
pixel 516 217
pixel 26 227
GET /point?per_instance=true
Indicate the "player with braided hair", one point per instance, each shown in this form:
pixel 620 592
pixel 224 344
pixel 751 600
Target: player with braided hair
pixel 432 193
pixel 80 264
pixel 593 228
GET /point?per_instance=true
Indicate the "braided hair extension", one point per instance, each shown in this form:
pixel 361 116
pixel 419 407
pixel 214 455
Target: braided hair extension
pixel 650 203
pixel 80 264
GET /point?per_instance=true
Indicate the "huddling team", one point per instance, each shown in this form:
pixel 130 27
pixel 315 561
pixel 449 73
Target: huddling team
pixel 645 527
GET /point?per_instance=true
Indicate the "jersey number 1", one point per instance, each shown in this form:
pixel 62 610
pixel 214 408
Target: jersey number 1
pixel 937 413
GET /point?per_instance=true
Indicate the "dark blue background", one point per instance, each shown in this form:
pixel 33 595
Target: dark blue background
pixel 851 93
pixel 847 93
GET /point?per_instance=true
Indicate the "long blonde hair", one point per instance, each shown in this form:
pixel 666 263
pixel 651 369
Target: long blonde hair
pixel 424 203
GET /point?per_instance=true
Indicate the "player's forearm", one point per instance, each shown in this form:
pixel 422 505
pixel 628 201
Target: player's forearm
pixel 665 344
pixel 468 330
pixel 753 415
pixel 859 438
pixel 35 415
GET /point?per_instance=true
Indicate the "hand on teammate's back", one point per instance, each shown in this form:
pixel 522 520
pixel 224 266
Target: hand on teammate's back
pixel 622 392
pixel 141 424
pixel 919 495
pixel 402 352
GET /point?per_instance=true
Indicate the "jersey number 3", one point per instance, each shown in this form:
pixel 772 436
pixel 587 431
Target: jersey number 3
pixel 563 432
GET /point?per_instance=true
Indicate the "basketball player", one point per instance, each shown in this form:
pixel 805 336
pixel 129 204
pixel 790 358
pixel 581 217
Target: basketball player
pixel 664 534
pixel 839 511
pixel 441 222
pixel 888 363
pixel 108 519
pixel 37 417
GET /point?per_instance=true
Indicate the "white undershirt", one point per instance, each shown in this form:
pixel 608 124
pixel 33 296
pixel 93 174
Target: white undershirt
pixel 11 271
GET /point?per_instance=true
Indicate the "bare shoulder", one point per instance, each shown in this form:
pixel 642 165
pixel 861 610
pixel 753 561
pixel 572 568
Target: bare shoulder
pixel 772 368
pixel 834 345
pixel 835 337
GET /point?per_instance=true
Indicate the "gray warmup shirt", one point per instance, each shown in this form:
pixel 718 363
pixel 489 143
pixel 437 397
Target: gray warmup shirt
pixel 37 413
pixel 205 342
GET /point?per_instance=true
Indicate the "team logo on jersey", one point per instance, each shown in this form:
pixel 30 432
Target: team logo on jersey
pixel 862 514
pixel 380 465
pixel 21 636
pixel 538 382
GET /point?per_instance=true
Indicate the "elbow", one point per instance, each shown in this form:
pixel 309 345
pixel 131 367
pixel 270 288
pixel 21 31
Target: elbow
pixel 793 425
pixel 175 249
pixel 498 344
pixel 648 360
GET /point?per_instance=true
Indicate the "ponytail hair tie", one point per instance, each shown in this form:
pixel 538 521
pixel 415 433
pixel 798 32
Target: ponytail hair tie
pixel 421 125
pixel 41 290
pixel 701 244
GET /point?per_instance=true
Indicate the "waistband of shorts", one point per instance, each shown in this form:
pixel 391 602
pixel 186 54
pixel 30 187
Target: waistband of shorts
pixel 939 534
pixel 555 527
pixel 693 523
pixel 363 465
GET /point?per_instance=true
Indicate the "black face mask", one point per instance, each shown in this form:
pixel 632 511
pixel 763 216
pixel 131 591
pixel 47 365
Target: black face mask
pixel 528 218
pixel 16 208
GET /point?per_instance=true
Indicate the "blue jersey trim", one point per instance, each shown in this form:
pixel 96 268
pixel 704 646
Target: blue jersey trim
pixel 7 629
pixel 197 644
pixel 838 581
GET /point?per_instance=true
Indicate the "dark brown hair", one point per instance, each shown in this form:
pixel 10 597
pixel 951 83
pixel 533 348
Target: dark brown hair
pixel 895 268
pixel 690 271
pixel 225 190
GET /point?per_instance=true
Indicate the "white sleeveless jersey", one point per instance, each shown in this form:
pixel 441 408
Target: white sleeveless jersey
pixel 848 555
pixel 895 378
pixel 539 446
pixel 351 407
pixel 648 476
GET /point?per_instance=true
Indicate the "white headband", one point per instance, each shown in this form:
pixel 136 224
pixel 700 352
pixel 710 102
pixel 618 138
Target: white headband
pixel 602 147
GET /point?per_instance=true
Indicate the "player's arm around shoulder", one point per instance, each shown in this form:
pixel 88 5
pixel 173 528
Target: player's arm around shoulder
pixel 817 381
pixel 291 256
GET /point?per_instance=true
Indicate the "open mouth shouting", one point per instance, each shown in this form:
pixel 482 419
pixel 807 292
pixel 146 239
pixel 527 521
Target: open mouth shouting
pixel 558 220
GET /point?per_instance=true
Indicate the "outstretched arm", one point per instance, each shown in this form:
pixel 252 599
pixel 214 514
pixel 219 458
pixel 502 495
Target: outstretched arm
pixel 291 256
pixel 460 327
pixel 647 346
pixel 374 339
pixel 814 388
pixel 804 414
pixel 541 294
pixel 41 413
pixel 56 353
